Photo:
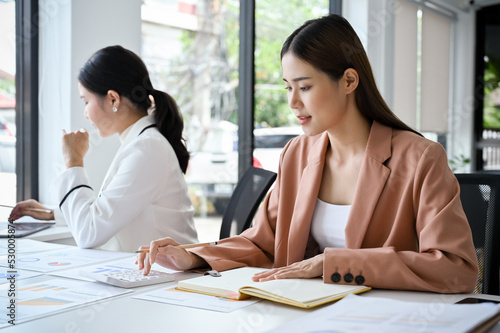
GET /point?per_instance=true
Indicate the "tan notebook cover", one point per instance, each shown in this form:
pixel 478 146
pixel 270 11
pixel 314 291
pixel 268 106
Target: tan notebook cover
pixel 237 284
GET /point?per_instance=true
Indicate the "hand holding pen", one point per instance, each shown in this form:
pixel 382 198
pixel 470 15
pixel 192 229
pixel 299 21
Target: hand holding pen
pixel 30 208
pixel 170 254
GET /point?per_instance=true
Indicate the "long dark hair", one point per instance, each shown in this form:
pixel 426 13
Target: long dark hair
pixel 331 45
pixel 116 68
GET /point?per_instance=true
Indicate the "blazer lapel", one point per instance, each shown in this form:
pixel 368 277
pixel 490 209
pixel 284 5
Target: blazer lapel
pixel 306 201
pixel 371 181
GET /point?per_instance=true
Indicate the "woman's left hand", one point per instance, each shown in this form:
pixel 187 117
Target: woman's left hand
pixel 305 269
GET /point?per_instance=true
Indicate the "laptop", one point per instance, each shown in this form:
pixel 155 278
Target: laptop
pixel 23 228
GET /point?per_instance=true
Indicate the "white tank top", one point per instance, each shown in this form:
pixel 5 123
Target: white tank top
pixel 328 224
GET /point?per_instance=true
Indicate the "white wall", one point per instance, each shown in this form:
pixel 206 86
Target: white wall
pixel 374 23
pixel 70 32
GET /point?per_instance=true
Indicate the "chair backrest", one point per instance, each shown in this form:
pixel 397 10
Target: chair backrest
pixel 480 196
pixel 245 200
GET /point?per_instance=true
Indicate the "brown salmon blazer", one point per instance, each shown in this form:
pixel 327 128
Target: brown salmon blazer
pixel 406 229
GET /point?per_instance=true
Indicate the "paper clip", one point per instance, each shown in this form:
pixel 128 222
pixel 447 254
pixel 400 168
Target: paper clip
pixel 213 273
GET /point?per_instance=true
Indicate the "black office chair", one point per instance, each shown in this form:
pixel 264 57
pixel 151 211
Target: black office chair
pixel 480 196
pixel 246 198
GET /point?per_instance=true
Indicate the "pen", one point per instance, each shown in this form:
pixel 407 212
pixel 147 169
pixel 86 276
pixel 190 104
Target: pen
pixel 7 206
pixel 188 246
pixel 48 211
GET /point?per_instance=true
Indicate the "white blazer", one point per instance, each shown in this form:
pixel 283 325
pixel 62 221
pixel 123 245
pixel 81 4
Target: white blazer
pixel 143 197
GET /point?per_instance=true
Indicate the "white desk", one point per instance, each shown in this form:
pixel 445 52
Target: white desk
pixel 124 314
pixel 54 234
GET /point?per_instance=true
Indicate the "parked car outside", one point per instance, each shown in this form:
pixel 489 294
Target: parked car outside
pixel 7 154
pixel 215 167
pixel 6 127
pixel 269 142
pixel 7 142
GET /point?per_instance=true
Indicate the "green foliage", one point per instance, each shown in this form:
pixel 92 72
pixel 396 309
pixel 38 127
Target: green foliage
pixel 8 87
pixel 272 28
pixel 458 163
pixel 214 51
pixel 491 112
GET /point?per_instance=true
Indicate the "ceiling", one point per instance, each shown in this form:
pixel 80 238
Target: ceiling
pixel 468 4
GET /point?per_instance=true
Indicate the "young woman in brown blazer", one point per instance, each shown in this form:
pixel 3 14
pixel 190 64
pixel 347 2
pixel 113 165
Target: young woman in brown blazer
pixel 360 198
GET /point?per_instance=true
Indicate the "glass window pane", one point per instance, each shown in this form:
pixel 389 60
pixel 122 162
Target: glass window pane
pixel 275 123
pixel 191 49
pixel 7 103
pixel 491 77
pixel 488 87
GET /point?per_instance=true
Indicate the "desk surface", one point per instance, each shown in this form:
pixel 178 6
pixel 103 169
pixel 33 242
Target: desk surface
pixel 56 234
pixel 127 314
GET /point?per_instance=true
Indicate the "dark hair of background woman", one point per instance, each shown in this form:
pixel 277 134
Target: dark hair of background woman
pixel 331 45
pixel 116 68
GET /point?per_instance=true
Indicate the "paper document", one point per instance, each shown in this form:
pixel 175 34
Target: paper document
pixel 53 260
pixel 371 314
pixel 26 245
pixel 195 300
pixel 7 274
pixel 127 263
pixel 40 299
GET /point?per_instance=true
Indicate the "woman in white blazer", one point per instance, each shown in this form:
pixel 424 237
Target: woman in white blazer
pixel 144 195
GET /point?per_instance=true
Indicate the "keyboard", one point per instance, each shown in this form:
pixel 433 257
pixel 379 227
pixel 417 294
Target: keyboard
pixel 129 278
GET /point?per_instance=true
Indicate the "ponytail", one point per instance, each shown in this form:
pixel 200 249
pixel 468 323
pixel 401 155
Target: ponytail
pixel 119 69
pixel 170 124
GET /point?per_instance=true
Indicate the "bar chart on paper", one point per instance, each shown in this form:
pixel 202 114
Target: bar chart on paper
pixel 39 299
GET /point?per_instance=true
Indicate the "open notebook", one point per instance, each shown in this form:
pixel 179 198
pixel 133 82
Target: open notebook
pixel 237 284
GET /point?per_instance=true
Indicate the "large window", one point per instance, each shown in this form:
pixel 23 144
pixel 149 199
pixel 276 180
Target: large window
pixel 487 121
pixel 274 122
pixel 192 50
pixel 7 102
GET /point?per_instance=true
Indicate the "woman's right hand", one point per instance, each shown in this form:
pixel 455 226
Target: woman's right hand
pixel 166 253
pixel 75 146
pixel 31 208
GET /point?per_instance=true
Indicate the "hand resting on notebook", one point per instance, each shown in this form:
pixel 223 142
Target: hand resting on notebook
pixel 305 269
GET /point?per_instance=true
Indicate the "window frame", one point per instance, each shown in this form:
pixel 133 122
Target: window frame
pixel 27 39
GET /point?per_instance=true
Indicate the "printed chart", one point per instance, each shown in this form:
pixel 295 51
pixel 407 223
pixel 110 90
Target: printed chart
pixel 39 299
pixel 5 274
pixel 26 245
pixel 127 263
pixel 48 261
pixel 360 314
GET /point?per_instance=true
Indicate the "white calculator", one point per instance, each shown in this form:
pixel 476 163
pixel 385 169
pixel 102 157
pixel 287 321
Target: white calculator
pixel 129 278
